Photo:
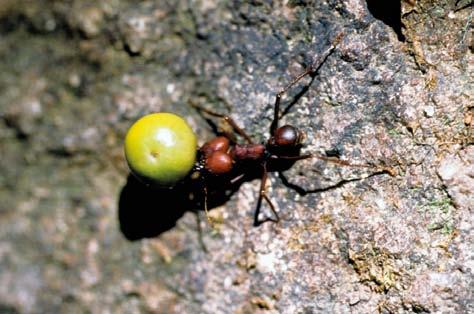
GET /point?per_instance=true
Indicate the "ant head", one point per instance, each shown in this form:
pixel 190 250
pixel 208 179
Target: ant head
pixel 287 136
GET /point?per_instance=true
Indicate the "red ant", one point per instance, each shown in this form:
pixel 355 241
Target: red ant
pixel 221 155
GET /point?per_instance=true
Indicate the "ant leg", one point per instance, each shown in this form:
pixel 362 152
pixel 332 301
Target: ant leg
pixel 209 219
pixel 311 69
pixel 205 193
pixel 227 119
pixel 199 230
pixel 388 170
pixel 262 195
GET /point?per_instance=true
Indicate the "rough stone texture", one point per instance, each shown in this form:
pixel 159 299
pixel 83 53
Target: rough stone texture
pixel 76 237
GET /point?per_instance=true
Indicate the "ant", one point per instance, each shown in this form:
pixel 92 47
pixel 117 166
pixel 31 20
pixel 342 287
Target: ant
pixel 221 156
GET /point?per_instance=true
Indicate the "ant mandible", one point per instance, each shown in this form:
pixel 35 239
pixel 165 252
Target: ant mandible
pixel 221 155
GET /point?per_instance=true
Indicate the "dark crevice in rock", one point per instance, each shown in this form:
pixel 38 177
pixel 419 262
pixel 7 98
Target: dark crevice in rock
pixel 388 12
pixel 53 24
pixel 130 51
pixel 13 123
pixel 8 309
pixel 10 23
pixel 461 5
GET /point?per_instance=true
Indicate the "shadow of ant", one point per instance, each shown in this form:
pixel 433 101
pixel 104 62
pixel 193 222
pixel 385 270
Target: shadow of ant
pixel 145 211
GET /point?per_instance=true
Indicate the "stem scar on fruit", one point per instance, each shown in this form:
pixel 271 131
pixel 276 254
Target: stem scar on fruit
pixel 160 149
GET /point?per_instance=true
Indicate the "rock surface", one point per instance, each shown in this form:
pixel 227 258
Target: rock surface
pixel 77 235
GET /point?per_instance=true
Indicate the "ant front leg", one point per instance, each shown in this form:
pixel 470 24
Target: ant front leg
pixel 311 69
pixel 227 119
pixel 263 195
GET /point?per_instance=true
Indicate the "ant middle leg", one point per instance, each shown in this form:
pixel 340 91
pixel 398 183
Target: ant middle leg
pixel 227 119
pixel 310 70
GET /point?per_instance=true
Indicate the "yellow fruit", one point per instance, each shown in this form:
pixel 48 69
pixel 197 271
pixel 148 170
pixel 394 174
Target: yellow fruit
pixel 160 148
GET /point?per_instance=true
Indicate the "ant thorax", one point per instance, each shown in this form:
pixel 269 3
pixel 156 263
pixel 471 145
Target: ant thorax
pixel 248 151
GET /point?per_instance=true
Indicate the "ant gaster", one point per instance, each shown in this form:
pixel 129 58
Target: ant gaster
pixel 220 155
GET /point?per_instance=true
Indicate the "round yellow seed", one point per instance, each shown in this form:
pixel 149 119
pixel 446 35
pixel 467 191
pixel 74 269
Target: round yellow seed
pixel 160 148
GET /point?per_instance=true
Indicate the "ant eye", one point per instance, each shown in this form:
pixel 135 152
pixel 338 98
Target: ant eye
pixel 160 148
pixel 287 135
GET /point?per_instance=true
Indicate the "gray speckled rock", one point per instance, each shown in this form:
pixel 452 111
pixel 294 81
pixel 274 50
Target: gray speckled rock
pixel 457 172
pixel 77 235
